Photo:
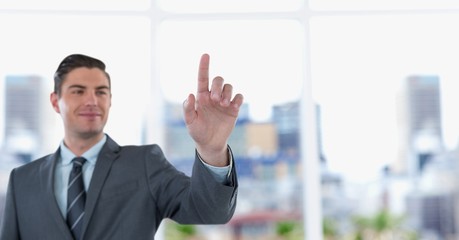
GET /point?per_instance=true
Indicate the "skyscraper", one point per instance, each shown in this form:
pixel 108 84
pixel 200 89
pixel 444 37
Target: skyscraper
pixel 419 122
pixel 23 115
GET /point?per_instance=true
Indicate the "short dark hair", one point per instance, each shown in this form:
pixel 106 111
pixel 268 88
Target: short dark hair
pixel 72 62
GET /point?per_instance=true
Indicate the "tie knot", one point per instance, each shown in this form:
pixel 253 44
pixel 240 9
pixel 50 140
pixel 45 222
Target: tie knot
pixel 78 161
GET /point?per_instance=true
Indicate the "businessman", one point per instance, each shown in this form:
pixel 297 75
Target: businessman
pixel 91 188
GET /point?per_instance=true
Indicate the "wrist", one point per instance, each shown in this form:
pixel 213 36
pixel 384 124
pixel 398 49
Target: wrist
pixel 214 157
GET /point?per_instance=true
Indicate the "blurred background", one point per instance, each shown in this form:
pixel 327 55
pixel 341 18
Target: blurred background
pixel 349 128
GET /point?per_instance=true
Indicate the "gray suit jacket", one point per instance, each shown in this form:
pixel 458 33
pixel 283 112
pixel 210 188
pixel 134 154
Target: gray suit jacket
pixel 132 189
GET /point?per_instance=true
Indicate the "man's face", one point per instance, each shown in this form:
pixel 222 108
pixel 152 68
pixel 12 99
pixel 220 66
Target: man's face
pixel 84 103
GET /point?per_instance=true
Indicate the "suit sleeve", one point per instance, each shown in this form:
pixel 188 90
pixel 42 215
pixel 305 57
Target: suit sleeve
pixel 9 229
pixel 199 199
pixel 216 200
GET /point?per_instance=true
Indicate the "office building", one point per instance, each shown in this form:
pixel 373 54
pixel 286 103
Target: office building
pixel 419 120
pixel 24 115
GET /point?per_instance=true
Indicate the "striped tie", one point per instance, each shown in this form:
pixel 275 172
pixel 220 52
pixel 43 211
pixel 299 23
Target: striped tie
pixel 76 197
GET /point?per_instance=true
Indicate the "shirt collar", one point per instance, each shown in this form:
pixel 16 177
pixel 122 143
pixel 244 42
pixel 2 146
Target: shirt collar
pixel 90 155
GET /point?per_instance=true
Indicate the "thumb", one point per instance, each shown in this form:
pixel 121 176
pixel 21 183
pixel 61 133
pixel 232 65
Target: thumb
pixel 189 111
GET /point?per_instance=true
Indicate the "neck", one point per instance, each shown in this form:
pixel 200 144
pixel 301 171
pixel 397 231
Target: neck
pixel 79 145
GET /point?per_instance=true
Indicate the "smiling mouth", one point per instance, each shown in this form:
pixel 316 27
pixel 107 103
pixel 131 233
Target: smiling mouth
pixel 90 115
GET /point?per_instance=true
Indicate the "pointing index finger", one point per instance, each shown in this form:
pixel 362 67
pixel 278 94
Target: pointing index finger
pixel 203 74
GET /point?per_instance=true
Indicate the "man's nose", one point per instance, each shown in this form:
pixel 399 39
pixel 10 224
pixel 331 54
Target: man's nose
pixel 91 98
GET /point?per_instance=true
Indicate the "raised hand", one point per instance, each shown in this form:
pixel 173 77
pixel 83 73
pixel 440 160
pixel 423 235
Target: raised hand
pixel 210 116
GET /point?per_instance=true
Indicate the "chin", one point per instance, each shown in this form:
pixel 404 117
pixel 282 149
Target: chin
pixel 91 134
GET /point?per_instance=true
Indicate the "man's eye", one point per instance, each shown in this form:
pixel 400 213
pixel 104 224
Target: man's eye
pixel 101 92
pixel 77 92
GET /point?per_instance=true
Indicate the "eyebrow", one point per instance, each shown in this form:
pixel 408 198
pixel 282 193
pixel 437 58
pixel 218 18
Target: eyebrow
pixel 83 87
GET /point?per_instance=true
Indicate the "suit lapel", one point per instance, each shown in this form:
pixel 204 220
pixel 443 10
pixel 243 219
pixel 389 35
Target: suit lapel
pixel 47 181
pixel 107 155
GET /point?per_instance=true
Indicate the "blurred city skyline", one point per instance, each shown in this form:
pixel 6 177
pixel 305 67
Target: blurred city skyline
pixel 372 170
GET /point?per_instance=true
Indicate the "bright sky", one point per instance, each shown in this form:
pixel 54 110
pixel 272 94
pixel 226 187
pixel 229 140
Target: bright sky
pixel 262 59
pixel 357 64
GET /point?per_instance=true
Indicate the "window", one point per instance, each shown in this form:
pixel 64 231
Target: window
pixel 381 77
pixel 85 5
pixel 382 5
pixel 239 6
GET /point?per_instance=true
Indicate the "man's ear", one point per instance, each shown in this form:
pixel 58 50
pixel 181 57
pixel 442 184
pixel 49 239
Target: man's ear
pixel 54 99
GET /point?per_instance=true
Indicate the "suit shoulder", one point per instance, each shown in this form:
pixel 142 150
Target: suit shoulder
pixel 154 149
pixel 35 163
pixel 140 147
pixel 30 168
